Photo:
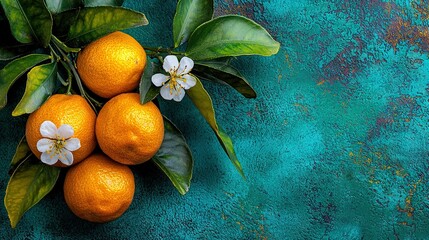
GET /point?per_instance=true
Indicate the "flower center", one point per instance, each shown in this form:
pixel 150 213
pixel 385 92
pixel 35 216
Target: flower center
pixel 173 83
pixel 55 149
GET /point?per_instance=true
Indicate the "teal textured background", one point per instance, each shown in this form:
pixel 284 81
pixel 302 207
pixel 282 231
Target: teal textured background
pixel 334 147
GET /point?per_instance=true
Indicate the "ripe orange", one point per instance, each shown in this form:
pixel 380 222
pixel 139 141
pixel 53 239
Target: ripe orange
pixel 129 132
pixel 99 189
pixel 112 64
pixel 61 109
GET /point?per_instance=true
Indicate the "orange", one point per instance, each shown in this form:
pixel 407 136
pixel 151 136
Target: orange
pixel 112 64
pixel 61 109
pixel 129 132
pixel 99 189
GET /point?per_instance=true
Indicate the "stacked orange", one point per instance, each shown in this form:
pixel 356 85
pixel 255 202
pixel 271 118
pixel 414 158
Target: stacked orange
pixel 99 186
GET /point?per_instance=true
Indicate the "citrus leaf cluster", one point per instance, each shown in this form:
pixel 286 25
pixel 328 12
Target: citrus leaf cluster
pixel 51 32
pixel 212 43
pixel 40 40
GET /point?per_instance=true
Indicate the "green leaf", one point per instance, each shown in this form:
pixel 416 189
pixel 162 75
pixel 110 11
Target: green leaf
pixel 40 85
pixel 57 6
pixel 13 51
pixel 15 69
pixel 30 20
pixel 94 3
pixel 30 182
pixel 230 35
pixel 79 27
pixel 174 158
pixel 22 153
pixel 203 102
pixel 10 48
pixel 189 15
pixel 224 73
pixel 147 90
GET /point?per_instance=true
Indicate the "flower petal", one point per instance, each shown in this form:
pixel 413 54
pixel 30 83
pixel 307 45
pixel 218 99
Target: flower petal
pixel 159 79
pixel 185 66
pixel 72 144
pixel 166 93
pixel 45 144
pixel 180 93
pixel 187 81
pixel 170 63
pixel 48 129
pixel 66 157
pixel 48 158
pixel 65 131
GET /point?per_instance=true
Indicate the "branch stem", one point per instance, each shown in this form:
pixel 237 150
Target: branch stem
pixel 66 59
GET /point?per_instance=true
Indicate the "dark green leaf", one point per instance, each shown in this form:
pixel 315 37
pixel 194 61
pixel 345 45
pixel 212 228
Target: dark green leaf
pixel 30 182
pixel 79 27
pixel 224 73
pixel 22 152
pixel 13 51
pixel 57 6
pixel 174 158
pixel 203 102
pixel 148 91
pixel 230 35
pixel 40 85
pixel 94 3
pixel 189 15
pixel 151 93
pixel 30 20
pixel 10 48
pixel 12 71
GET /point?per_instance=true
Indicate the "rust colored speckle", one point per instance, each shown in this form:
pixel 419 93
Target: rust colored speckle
pixel 346 63
pixel 408 208
pixel 422 9
pixel 402 31
pixel 253 10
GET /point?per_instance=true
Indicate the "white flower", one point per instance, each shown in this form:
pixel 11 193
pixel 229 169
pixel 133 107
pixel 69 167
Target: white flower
pixel 173 86
pixel 57 144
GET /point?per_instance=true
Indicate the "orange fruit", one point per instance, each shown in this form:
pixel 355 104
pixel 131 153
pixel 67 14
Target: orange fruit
pixel 99 189
pixel 129 132
pixel 61 109
pixel 112 64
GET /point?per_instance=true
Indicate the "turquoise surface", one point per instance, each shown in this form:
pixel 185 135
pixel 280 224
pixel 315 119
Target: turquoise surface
pixel 334 147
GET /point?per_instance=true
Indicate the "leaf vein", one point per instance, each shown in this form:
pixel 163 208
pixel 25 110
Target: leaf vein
pixel 223 42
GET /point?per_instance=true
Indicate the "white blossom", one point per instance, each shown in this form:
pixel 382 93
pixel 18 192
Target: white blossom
pixel 57 144
pixel 179 80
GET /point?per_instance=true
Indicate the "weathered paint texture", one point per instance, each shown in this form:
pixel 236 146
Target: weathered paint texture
pixel 336 146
